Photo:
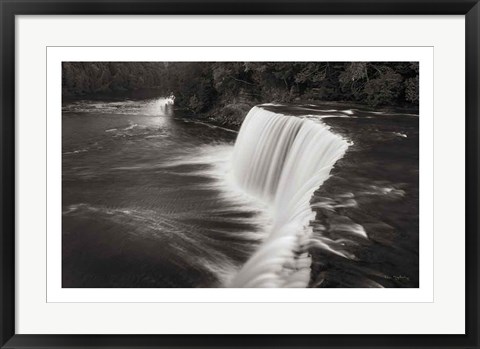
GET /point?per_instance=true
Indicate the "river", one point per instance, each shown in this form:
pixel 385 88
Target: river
pixel 149 199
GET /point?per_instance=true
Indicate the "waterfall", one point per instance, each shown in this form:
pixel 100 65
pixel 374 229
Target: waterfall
pixel 282 160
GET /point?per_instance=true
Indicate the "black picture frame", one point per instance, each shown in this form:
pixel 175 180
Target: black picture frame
pixel 10 8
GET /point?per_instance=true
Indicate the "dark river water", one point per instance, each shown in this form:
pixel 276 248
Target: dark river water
pixel 148 200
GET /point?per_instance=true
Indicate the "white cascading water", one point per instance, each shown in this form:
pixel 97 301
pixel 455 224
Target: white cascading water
pixel 282 160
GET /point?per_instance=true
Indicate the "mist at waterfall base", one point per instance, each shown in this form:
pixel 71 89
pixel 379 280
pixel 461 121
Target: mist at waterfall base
pixel 303 196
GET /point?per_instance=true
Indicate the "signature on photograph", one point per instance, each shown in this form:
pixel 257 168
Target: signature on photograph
pixel 397 277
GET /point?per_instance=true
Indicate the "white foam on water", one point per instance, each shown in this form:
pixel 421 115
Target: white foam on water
pixel 215 161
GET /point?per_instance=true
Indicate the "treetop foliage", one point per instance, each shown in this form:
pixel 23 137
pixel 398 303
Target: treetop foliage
pixel 200 86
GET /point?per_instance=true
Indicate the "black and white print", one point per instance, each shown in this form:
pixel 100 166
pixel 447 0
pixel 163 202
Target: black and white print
pixel 240 174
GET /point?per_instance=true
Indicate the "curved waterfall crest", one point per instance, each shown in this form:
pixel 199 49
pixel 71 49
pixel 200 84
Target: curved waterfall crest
pixel 281 160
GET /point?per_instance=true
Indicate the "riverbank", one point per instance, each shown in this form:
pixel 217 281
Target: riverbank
pixel 230 111
pixel 231 115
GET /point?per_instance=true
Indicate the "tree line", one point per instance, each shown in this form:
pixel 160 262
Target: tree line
pixel 202 86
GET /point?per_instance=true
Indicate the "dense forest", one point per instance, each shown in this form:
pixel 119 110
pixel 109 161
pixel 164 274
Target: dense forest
pixel 202 87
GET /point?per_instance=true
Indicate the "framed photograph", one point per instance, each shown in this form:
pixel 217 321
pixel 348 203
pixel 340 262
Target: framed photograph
pixel 239 174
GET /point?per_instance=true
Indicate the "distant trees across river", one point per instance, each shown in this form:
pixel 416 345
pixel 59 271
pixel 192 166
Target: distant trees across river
pixel 203 86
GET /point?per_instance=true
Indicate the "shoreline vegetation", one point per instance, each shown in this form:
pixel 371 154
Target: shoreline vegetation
pixel 223 92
